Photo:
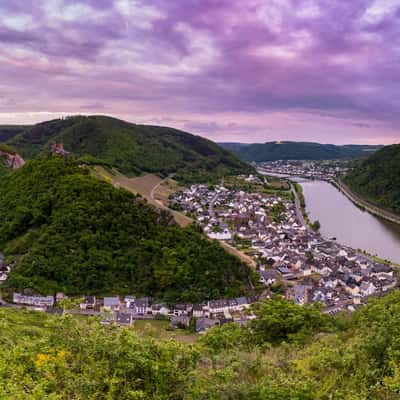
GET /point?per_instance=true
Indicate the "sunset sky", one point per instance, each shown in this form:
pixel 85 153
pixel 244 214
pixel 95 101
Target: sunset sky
pixel 230 70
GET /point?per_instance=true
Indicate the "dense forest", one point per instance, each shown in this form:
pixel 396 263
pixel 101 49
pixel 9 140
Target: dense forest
pixel 7 132
pixel 273 151
pixel 132 149
pixel 3 166
pixel 68 231
pixel 378 178
pixel 288 353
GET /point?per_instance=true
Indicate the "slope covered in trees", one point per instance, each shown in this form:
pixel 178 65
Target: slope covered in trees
pixel 132 149
pixel 378 178
pixel 3 167
pixel 273 151
pixel 68 231
pixel 9 131
pixel 289 353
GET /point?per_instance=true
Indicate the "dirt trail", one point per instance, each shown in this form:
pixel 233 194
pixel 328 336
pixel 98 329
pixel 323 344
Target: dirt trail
pixel 148 187
pixel 153 188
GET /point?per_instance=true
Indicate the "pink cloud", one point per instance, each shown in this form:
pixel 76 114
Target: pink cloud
pixel 232 70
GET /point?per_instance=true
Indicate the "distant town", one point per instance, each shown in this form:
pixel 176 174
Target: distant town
pixel 323 170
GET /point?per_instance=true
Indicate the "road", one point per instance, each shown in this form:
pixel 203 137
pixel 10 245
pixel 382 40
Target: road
pixel 299 214
pixel 211 206
pixel 157 186
pixel 360 201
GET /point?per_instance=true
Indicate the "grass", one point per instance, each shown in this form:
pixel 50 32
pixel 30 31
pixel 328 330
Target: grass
pixel 144 185
pixel 245 258
pixel 159 330
pixel 167 187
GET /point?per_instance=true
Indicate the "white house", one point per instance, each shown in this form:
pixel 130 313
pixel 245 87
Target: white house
pixel 38 301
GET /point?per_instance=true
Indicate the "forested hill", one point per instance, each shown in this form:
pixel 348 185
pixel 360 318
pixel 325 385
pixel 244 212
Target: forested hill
pixel 132 149
pixel 7 132
pixel 273 151
pixel 378 178
pixel 69 231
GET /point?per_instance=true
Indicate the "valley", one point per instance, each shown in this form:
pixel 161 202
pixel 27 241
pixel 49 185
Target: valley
pixel 132 262
pixel 343 214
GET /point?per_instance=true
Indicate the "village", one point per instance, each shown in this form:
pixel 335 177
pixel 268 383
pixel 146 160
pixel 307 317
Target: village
pixel 322 170
pixel 291 259
pixel 124 311
pixel 305 266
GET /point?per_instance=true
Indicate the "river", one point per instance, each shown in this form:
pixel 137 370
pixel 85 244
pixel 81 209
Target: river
pixel 340 218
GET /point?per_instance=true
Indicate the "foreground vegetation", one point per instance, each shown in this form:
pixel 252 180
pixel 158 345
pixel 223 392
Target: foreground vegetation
pixel 68 231
pixel 132 149
pixel 378 178
pixel 288 353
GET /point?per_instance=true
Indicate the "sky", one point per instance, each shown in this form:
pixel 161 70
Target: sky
pixel 229 70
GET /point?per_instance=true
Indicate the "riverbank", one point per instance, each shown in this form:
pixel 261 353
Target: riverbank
pixel 301 211
pixel 363 203
pixel 346 221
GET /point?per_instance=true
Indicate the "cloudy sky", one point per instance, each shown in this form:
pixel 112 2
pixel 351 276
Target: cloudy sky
pixel 231 70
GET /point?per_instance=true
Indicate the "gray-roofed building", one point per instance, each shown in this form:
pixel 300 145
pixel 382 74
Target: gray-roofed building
pixel 142 305
pixel 111 303
pixel 198 310
pixel 124 319
pixel 89 303
pixel 203 324
pixel 180 321
pixel 268 276
pixel 218 306
pixel 37 301
pixel 242 303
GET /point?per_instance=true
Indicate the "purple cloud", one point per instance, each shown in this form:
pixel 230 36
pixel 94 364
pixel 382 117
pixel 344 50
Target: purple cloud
pixel 224 69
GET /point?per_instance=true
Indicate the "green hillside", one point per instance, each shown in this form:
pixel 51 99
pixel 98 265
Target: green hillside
pixel 378 178
pixel 273 151
pixel 71 232
pixel 3 167
pixel 9 131
pixel 288 353
pixel 132 149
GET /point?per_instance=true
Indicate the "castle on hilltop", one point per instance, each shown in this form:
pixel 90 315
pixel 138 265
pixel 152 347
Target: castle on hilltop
pixel 13 160
pixel 58 148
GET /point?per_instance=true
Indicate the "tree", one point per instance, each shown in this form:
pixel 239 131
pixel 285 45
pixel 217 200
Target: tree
pixel 281 320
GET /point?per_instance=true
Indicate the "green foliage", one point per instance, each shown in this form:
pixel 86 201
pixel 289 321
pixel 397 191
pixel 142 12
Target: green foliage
pixel 6 148
pixel 133 149
pixel 228 337
pixel 316 225
pixel 4 170
pixel 9 131
pixel 273 151
pixel 276 212
pixel 282 320
pixel 300 194
pixel 68 359
pixel 378 178
pixel 70 232
pixel 62 358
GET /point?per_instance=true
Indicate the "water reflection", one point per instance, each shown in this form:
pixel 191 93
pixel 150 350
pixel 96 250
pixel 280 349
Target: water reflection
pixel 340 218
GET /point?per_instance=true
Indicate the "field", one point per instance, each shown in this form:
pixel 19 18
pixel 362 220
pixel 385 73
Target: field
pixel 154 189
pixel 159 330
pixel 245 258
